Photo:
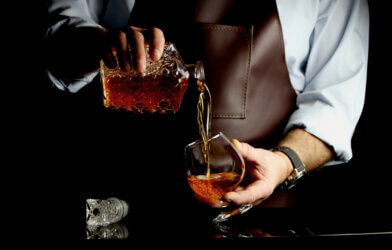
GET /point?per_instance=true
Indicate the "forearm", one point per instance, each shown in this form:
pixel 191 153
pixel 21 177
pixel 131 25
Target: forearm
pixel 312 151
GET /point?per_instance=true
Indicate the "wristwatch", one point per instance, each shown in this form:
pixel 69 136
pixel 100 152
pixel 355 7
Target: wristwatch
pixel 299 167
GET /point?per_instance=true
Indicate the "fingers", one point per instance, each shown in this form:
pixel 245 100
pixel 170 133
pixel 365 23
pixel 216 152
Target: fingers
pixel 112 44
pixel 259 185
pixel 138 51
pixel 157 44
pixel 122 50
pixel 254 194
pixel 140 37
pixel 129 46
pixel 109 58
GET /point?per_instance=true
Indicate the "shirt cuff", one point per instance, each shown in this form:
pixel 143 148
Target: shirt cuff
pixel 71 85
pixel 327 124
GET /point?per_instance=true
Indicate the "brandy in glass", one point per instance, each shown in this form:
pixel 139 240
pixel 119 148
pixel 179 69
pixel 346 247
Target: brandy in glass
pixel 212 171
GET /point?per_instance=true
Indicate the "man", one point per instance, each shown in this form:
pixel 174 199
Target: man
pixel 315 94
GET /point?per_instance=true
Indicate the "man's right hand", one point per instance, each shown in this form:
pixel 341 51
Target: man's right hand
pixel 129 46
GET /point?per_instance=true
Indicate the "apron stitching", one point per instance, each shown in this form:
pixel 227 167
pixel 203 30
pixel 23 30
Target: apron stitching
pixel 234 29
pixel 247 35
pixel 228 116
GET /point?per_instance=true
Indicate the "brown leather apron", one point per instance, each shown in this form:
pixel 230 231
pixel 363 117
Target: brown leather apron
pixel 241 46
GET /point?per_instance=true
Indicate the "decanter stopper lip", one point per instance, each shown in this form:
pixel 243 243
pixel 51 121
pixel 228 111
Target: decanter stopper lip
pixel 123 205
pixel 199 71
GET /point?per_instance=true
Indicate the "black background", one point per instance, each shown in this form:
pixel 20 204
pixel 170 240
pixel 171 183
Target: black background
pixel 55 141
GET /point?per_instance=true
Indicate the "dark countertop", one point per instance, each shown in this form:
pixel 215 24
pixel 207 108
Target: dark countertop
pixel 334 202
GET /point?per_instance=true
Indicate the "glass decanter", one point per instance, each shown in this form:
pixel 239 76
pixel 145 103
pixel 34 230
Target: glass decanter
pixel 159 89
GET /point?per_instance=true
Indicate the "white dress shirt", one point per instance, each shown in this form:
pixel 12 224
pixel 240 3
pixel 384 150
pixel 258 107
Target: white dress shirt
pixel 326 49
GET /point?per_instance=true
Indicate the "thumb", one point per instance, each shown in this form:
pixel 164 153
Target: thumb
pixel 248 152
pixel 237 144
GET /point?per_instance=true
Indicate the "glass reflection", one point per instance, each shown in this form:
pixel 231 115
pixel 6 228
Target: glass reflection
pixel 226 231
pixel 111 231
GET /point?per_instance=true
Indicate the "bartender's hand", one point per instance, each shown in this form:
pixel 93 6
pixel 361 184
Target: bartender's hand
pixel 265 170
pixel 134 39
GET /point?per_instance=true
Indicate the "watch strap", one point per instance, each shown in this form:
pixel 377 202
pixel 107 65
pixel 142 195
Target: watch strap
pixel 299 167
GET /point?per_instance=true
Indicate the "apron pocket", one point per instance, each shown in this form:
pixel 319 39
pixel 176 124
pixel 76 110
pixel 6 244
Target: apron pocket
pixel 225 51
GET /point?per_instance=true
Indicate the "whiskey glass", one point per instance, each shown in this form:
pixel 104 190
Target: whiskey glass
pixel 213 172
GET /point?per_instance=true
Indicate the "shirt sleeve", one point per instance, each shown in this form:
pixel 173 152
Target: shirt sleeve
pixel 62 15
pixel 331 99
pixel 84 13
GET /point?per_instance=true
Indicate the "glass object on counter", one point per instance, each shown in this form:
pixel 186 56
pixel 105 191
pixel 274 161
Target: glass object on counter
pixel 159 89
pixel 104 212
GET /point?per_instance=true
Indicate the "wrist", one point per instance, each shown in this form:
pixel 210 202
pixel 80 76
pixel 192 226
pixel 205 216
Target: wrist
pixel 299 168
pixel 286 166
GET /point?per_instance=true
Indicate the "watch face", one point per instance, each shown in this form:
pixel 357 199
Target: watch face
pixel 293 178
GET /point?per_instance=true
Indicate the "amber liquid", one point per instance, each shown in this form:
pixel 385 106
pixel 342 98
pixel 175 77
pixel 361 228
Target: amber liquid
pixel 211 189
pixel 144 94
pixel 204 122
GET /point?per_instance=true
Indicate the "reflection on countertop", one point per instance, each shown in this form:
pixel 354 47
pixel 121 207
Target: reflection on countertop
pixel 111 231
